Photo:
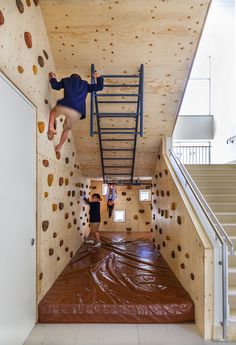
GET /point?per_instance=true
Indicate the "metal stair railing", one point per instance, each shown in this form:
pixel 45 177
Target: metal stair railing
pixel 117 134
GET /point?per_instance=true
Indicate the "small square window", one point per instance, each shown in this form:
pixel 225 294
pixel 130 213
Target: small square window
pixel 104 188
pixel 145 194
pixel 119 216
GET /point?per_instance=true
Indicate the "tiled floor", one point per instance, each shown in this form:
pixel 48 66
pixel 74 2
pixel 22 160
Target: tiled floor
pixel 116 334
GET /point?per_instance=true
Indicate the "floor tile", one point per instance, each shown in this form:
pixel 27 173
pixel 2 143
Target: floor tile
pixel 107 334
pixel 60 339
pixel 148 334
pixel 46 329
pixel 180 329
pixel 174 340
pixel 35 339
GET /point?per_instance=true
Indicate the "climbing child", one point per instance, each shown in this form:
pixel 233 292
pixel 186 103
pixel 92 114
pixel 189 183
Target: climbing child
pixel 72 105
pixel 95 219
pixel 111 197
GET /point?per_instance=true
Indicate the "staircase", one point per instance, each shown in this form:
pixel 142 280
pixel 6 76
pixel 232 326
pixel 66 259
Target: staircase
pixel 217 184
pixel 118 111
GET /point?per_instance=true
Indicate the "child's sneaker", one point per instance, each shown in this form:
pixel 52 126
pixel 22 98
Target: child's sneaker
pixel 90 241
pixel 97 245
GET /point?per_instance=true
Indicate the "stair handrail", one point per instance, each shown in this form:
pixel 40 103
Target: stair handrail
pixel 217 227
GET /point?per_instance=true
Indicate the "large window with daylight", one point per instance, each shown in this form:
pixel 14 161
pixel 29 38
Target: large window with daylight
pixel 145 195
pixel 119 216
pixel 104 188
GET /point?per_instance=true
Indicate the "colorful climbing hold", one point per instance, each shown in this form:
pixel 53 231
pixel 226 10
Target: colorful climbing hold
pixel 40 61
pixel 28 39
pixel 45 54
pixel 36 2
pixel 45 225
pixel 58 155
pixel 40 275
pixel 41 126
pixel 19 68
pixel 28 2
pixel 51 251
pixel 35 69
pixel 45 194
pixel 50 179
pixel 20 6
pixel 46 163
pixel 61 180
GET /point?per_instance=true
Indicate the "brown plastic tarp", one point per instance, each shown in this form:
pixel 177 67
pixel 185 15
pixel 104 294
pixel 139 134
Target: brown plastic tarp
pixel 124 281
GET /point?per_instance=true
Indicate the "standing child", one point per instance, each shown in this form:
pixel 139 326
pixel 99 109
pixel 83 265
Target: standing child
pixel 95 219
pixel 73 104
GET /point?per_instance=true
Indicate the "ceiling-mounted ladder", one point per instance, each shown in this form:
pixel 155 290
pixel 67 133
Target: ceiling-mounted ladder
pixel 118 142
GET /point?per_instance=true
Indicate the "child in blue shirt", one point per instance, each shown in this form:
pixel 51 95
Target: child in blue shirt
pixel 73 104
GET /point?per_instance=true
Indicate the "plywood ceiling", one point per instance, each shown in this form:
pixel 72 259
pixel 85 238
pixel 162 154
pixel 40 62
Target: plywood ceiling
pixel 117 36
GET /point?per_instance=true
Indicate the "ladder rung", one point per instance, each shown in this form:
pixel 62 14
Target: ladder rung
pixel 117 174
pixel 121 85
pixel 117 158
pixel 118 132
pixel 117 166
pixel 117 114
pixel 117 139
pixel 120 76
pixel 117 128
pixel 117 102
pixel 118 150
pixel 117 94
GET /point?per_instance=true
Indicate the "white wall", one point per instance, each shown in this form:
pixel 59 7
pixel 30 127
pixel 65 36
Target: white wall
pixel 218 41
pixel 17 215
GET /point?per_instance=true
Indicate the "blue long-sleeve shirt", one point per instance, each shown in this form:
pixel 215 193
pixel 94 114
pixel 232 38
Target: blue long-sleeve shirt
pixel 75 92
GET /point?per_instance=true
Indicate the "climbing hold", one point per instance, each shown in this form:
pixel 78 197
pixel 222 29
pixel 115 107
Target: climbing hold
pixel 123 193
pixel 28 2
pixel 58 258
pixel 36 2
pixel 160 231
pixel 158 246
pixel 157 192
pixel 61 205
pixel 20 68
pixel 35 69
pixel 141 211
pixel 51 251
pixel 136 217
pixel 41 127
pixel 167 238
pixel 73 193
pixel 50 179
pixel 192 276
pixel 182 266
pixel 179 220
pixel 71 254
pixel 46 163
pixel 54 207
pixel 173 206
pixel 61 180
pixel 58 155
pixel 71 173
pixel 168 193
pixel 128 199
pixel 166 214
pixel 69 225
pixel 162 193
pixel 46 101
pixel 69 193
pixel 67 160
pixel 28 39
pixel 45 54
pixel 162 213
pixel 45 225
pixel 40 61
pixel 73 213
pixel 45 194
pixel 156 176
pixel 187 255
pixel 66 181
pixel 156 227
pixel 147 223
pixel 128 229
pixel 61 243
pixel 173 254
pixel 166 172
pixel 105 222
pixel 20 6
pixel 66 215
pixel 71 203
pixel 66 249
pixel 75 221
pixel 153 240
pixel 160 174
pixel 40 275
pixel 179 248
pixel 163 243
pixel 54 235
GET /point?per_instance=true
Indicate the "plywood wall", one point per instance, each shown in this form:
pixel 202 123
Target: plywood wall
pixel 26 58
pixel 188 254
pixel 138 214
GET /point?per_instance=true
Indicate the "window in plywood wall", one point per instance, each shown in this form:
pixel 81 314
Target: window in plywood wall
pixel 119 216
pixel 144 194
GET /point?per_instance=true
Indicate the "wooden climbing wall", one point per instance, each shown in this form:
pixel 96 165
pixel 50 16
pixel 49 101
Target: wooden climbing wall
pixel 138 214
pixel 62 219
pixel 117 36
pixel 183 245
